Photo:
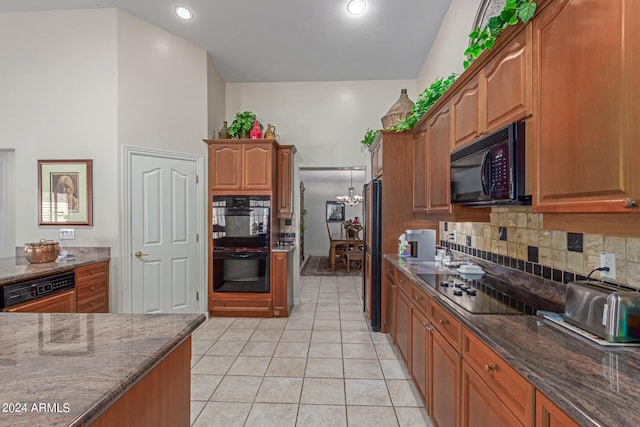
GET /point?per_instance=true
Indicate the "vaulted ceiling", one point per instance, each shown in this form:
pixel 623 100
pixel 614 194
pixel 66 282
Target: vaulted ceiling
pixel 290 40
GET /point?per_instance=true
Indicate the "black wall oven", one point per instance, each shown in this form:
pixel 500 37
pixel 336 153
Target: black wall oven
pixel 241 243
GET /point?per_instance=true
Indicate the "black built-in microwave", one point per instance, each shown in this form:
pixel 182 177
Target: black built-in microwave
pixel 491 170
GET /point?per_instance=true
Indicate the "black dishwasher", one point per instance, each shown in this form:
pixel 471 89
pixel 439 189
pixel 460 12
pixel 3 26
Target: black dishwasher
pixel 32 289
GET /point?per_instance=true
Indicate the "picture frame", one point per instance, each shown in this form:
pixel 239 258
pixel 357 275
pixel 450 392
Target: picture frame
pixel 65 192
pixel 335 211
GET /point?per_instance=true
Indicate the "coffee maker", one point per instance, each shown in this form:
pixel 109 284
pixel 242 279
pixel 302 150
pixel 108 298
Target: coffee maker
pixel 422 244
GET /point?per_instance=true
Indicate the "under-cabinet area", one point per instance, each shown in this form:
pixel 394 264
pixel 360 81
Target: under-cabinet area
pixel 250 195
pixel 502 370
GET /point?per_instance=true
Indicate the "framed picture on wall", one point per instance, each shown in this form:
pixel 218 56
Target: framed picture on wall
pixel 65 193
pixel 335 211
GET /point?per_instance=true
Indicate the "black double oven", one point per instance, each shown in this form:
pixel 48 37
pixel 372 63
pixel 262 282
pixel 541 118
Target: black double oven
pixel 241 243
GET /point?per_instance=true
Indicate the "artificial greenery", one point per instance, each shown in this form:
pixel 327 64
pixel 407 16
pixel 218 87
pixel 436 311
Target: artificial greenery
pixel 426 100
pixel 242 124
pixel 369 137
pixel 483 39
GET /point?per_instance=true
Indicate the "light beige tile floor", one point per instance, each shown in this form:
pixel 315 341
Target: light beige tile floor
pixel 322 366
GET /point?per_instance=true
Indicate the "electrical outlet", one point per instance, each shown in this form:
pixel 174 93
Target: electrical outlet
pixel 452 236
pixel 67 234
pixel 608 259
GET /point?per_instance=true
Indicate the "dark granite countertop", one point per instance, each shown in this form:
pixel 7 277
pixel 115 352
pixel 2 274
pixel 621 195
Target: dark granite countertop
pixel 80 364
pixel 595 385
pixel 15 269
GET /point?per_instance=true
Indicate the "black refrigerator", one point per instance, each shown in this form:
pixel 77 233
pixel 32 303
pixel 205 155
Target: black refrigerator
pixel 372 268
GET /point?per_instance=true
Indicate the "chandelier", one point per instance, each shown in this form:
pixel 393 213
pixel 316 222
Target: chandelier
pixel 351 198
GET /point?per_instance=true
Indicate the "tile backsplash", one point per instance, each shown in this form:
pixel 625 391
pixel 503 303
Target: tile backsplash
pixel 515 238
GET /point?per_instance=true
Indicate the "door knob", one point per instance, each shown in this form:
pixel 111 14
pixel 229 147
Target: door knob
pixel 140 254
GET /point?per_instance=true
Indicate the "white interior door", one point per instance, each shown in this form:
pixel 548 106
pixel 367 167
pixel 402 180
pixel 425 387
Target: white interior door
pixel 164 244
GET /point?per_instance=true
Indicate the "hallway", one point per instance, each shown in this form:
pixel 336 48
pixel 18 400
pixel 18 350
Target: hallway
pixel 322 366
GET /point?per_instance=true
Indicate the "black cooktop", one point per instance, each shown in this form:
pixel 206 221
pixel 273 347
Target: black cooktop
pixel 487 294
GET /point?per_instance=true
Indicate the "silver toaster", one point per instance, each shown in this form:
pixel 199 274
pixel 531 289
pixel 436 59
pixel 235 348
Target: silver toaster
pixel 609 312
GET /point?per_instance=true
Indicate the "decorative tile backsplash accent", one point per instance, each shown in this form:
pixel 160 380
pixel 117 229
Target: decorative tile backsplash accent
pixel 515 238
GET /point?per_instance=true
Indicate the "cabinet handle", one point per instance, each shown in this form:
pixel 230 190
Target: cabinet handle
pixel 628 203
pixel 426 326
pixel 442 322
pixel 92 288
pixel 419 298
pixel 489 368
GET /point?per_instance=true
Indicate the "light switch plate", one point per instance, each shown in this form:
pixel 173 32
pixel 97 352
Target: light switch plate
pixel 67 233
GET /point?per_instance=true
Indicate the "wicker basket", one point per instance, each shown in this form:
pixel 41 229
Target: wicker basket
pixel 398 111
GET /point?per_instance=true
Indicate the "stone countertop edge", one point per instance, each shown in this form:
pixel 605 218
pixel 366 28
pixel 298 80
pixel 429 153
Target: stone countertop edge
pixel 16 269
pixel 108 399
pixel 566 368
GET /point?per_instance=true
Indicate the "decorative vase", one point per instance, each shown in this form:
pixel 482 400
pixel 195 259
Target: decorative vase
pixel 224 132
pixel 255 132
pixel 398 111
pixel 271 132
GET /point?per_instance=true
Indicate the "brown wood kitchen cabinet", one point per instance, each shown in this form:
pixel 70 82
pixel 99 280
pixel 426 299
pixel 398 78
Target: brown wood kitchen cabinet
pixel 420 343
pixel 587 114
pixel 498 94
pixel 284 194
pixel 493 393
pixel 241 165
pixel 403 318
pixel 61 302
pixel 444 392
pixel 281 284
pixel 431 179
pixel 390 296
pixel 92 288
pixel 549 415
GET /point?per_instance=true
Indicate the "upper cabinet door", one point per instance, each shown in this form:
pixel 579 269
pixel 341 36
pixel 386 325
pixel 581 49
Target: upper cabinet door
pixel 257 167
pixel 225 166
pixel 507 80
pixel 587 109
pixel 420 172
pixel 500 93
pixel 284 188
pixel 439 188
pixel 466 115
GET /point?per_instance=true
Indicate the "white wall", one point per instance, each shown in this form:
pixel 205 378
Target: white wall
pixel 324 120
pixel 59 97
pixel 78 84
pixel 215 99
pixel 162 88
pixel 447 52
pixel 7 203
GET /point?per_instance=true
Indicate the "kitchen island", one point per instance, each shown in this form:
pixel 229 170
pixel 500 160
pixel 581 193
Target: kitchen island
pixel 595 385
pixel 100 369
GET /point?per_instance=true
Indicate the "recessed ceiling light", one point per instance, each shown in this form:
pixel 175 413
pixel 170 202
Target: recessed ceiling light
pixel 183 13
pixel 356 7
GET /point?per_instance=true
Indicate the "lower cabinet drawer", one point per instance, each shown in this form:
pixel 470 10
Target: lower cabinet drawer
pixel 91 271
pixel 96 303
pixel 449 326
pixel 512 389
pixel 403 283
pixel 241 307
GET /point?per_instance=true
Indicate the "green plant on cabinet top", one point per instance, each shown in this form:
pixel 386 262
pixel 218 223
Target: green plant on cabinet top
pixel 426 100
pixel 242 124
pixel 484 39
pixel 369 137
